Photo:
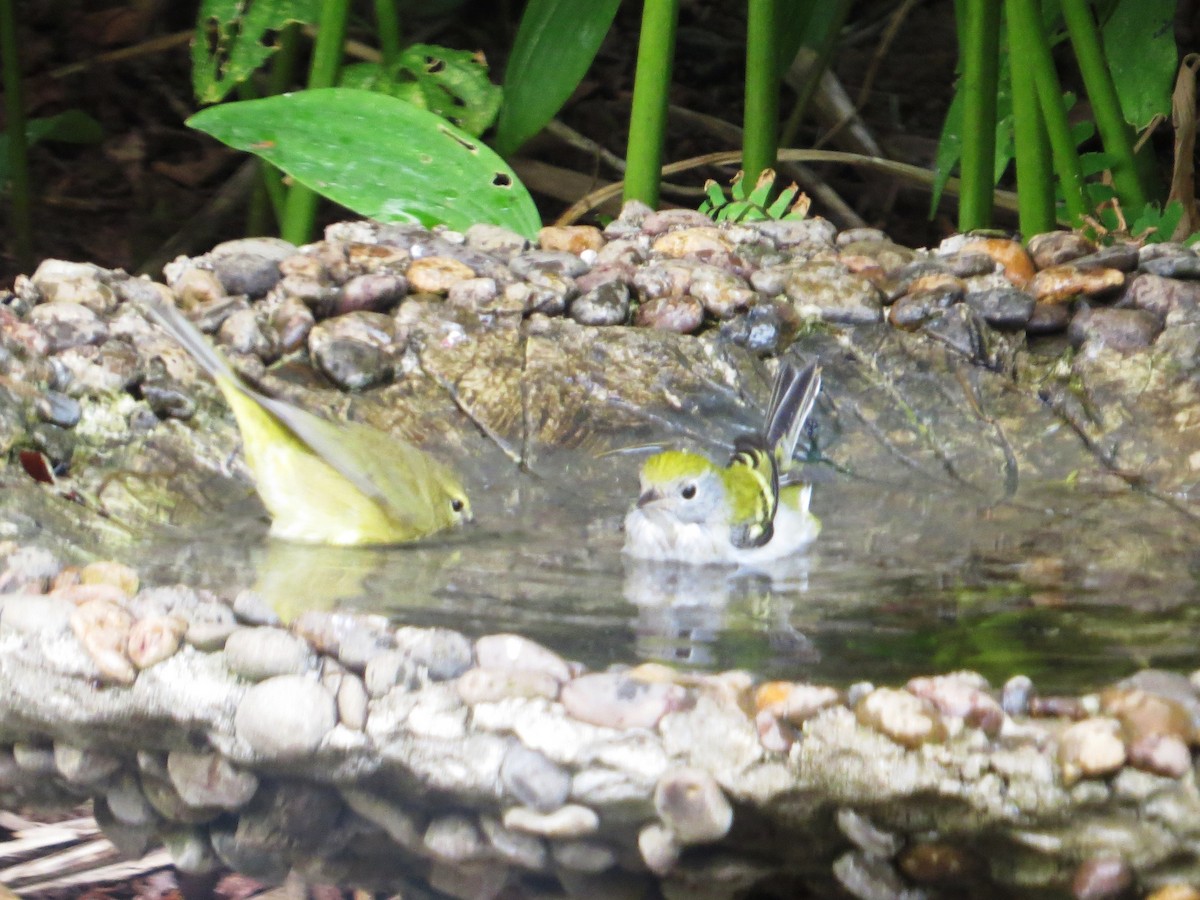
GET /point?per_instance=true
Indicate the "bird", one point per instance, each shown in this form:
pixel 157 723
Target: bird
pixel 749 512
pixel 324 482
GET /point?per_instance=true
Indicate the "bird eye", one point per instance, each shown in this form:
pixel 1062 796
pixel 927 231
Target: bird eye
pixel 689 491
pixel 457 505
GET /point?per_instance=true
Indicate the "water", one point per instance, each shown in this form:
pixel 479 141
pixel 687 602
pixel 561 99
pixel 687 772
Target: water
pixel 1070 586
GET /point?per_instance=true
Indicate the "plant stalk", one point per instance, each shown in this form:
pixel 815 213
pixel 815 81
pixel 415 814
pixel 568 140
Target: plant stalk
pixel 980 55
pixel 651 87
pixel 301 209
pixel 761 118
pixel 1031 146
pixel 1115 132
pixel 387 26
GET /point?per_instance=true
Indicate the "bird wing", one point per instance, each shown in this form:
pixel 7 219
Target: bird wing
pixel 792 401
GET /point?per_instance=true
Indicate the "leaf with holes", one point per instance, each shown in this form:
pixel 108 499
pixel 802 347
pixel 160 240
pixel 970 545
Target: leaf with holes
pixel 454 84
pixel 233 39
pixel 378 156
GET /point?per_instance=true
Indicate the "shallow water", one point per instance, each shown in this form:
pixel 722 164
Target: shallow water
pixel 1069 586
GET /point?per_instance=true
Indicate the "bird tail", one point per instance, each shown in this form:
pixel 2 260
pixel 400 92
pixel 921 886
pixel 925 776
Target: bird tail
pixel 792 401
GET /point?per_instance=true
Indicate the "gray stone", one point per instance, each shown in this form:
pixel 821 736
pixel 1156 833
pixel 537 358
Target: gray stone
pixel 208 779
pixel 260 653
pixel 285 717
pixel 534 780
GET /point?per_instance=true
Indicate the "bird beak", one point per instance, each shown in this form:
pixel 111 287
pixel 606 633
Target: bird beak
pixel 648 497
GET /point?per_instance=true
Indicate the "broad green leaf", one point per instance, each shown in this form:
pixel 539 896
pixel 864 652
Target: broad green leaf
pixel 555 44
pixel 73 126
pixel 453 84
pixel 795 18
pixel 1157 225
pixel 1139 42
pixel 1095 163
pixel 233 38
pixel 378 156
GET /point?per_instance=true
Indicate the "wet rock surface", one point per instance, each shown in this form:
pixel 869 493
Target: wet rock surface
pixel 405 757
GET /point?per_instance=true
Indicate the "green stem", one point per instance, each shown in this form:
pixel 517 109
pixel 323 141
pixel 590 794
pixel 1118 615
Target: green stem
pixel 825 26
pixel 761 118
pixel 1115 132
pixel 651 86
pixel 387 24
pixel 1035 173
pixel 1025 21
pixel 980 53
pixel 18 159
pixel 301 207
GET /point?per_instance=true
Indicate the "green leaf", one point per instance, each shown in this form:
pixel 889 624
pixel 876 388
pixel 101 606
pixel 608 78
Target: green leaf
pixel 73 126
pixel 1139 42
pixel 949 149
pixel 232 40
pixel 454 84
pixel 1157 225
pixel 378 156
pixel 1095 163
pixel 555 44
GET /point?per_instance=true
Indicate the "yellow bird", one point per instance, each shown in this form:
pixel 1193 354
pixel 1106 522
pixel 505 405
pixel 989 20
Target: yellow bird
pixel 323 482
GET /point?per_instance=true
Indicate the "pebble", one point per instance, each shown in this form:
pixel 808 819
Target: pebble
pixel 1173 302
pixel 866 835
pixel 658 221
pixel 931 862
pixel 871 878
pixel 285 717
pixel 34 759
pixel 1091 748
pixel 1016 694
pixel 1173 266
pixel 1100 879
pixel 116 574
pixel 495 241
pixel 196 287
pixel 659 847
pixel 722 293
pixel 250 265
pixel 614 700
pixel 795 703
pixel 831 294
pixel 208 779
pixel 1119 256
pixel 766 328
pixel 102 627
pixel 493 685
pixel 260 653
pixel 455 838
pixel 58 409
pixel 1057 247
pixel 155 638
pixel 512 652
pixel 67 325
pixel 574 239
pixel 791 233
pixel 1161 754
pixel 209 625
pixel 905 718
pixel 473 293
pixel 533 780
pixel 353 703
pixel 547 267
pixel 1002 307
pixel 372 292
pixel 1123 330
pixel 525 850
pixel 569 821
pixel 1048 318
pixel 680 314
pixel 437 274
pixel 84 765
pixel 1018 266
pixel 29 568
pixel 913 310
pixel 127 803
pixel 355 350
pixel 962 695
pixel 583 856
pixel 605 304
pixel 1062 284
pixel 693 806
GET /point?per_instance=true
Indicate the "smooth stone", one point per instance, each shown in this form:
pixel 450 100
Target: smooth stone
pixel 1091 748
pixel 455 838
pixel 605 304
pixel 525 850
pixel 154 639
pixel 250 265
pixel 495 241
pixel 885 253
pixel 34 759
pixel 512 652
pixel 102 627
pixel 571 238
pixel 252 607
pixel 659 847
pixel 372 292
pixel 722 293
pixel 352 702
pixel 127 803
pixel 208 779
pixel 961 695
pixel 900 281
pixel 659 221
pixel 1062 284
pixel 764 329
pixel 905 718
pixel 437 274
pixel 1123 330
pixel 1162 754
pixel 473 293
pixel 533 780
pixel 533 265
pixel 1015 696
pixel 530 299
pixel 692 804
pixel 937 862
pixel 1182 267
pixel 785 233
pixel 209 625
pixel 442 652
pixel 866 835
pixel 1173 302
pixel 35 613
pixel 481 685
pixel 260 653
pixel 570 821
pixel 196 287
pixel 865 876
pixel 604 273
pixel 130 841
pixel 681 314
pixel 210 316
pixel 355 350
pixel 1018 266
pixel 84 765
pixel 27 566
pixel 1118 256
pixel 1054 248
pixel 327 631
pixel 583 856
pixel 970 265
pixel 913 310
pixel 1100 879
pixel 285 717
pixel 614 700
pixel 795 703
pixel 388 669
pixel 1002 307
pixel 292 323
pixel 1048 318
pixel 831 294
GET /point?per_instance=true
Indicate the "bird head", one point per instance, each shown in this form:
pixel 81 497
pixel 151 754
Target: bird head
pixel 684 485
pixel 455 496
